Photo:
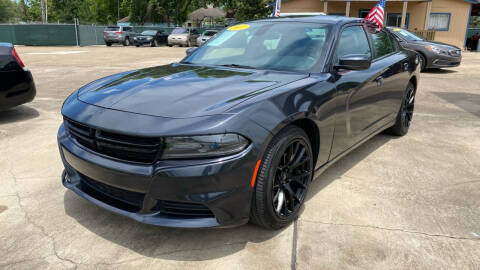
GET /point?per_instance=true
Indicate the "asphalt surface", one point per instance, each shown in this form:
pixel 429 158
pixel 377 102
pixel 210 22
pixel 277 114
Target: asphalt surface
pixel 394 203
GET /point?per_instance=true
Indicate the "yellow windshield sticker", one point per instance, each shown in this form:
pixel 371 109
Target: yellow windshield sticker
pixel 238 27
pixel 396 29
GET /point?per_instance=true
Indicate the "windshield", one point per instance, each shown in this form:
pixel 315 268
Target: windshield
pixel 149 33
pixel 179 31
pixel 407 34
pixel 280 46
pixel 209 33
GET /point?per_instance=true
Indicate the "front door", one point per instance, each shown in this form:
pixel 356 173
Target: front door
pixel 357 92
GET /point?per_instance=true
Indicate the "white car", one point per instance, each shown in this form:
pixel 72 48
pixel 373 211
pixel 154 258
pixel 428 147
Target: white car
pixel 206 35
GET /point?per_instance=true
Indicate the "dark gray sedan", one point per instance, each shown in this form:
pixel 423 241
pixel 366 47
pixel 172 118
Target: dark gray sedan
pixel 237 129
pixel 432 54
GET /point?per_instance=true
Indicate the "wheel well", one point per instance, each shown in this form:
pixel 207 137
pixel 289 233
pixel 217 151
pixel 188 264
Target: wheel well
pixel 422 54
pixel 413 80
pixel 313 134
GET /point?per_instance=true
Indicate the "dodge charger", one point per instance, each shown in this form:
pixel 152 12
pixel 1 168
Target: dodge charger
pixel 238 129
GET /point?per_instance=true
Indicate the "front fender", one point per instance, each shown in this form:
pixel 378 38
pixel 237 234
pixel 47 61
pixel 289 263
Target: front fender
pixel 312 98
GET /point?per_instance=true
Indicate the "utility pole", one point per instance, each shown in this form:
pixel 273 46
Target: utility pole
pixel 42 7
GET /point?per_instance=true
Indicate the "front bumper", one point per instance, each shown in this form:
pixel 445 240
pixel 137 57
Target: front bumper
pixel 142 42
pixel 218 188
pixel 182 42
pixel 441 61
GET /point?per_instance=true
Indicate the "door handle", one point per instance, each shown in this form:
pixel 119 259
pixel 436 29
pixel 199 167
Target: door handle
pixel 379 80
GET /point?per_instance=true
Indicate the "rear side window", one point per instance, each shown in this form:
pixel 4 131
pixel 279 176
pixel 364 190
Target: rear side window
pixel 383 43
pixel 353 40
pixel 112 29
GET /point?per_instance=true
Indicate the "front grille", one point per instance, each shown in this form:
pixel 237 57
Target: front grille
pixel 124 147
pixel 120 198
pixel 183 209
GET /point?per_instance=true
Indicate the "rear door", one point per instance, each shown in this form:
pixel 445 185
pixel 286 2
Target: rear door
pixel 392 79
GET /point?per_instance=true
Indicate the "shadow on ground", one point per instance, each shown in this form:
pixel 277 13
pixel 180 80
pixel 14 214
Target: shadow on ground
pixel 466 101
pixel 194 244
pixel 343 165
pixel 439 71
pixel 159 242
pixel 18 114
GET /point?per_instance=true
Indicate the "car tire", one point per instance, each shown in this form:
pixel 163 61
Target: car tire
pixel 405 114
pixel 423 62
pixel 154 43
pixel 126 42
pixel 137 45
pixel 275 189
pixel 170 45
pixel 108 44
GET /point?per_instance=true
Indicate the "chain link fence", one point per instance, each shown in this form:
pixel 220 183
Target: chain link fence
pixel 64 34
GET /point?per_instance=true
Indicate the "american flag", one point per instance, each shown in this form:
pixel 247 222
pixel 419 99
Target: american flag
pixel 276 10
pixel 375 15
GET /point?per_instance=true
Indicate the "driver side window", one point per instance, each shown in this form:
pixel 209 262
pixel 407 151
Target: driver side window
pixel 353 40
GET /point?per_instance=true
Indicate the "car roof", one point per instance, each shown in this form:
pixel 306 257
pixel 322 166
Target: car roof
pixel 315 19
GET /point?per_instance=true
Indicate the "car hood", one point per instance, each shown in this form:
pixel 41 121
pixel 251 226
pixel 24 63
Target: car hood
pixel 436 43
pixel 181 91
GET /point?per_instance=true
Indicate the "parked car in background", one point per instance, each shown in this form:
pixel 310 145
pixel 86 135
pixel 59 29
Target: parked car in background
pixel 118 34
pixel 206 35
pixel 237 129
pixel 16 82
pixel 432 54
pixel 183 37
pixel 151 37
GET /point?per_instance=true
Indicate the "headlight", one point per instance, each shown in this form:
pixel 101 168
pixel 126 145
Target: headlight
pixel 203 146
pixel 436 49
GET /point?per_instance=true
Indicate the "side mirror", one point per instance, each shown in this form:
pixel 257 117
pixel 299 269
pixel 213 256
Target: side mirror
pixel 354 62
pixel 190 50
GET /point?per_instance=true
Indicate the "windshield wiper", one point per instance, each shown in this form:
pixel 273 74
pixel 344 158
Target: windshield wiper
pixel 238 66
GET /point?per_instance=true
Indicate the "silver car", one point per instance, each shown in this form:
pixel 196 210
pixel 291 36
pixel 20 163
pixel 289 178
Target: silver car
pixel 183 37
pixel 208 34
pixel 119 34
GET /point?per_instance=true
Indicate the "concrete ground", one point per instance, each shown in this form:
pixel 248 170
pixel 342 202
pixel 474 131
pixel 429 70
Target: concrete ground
pixel 394 203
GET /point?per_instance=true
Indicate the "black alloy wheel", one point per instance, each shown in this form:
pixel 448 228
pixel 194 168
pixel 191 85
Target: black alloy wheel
pixel 407 107
pixel 405 115
pixel 283 178
pixel 291 179
pixel 422 62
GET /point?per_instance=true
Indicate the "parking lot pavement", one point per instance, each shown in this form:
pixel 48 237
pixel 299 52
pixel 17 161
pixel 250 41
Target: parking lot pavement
pixel 394 203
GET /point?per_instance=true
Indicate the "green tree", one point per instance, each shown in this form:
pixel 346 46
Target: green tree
pixel 251 9
pixel 8 10
pixel 67 10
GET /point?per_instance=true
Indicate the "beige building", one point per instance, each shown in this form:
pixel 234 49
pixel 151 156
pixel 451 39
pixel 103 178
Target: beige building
pixel 448 19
